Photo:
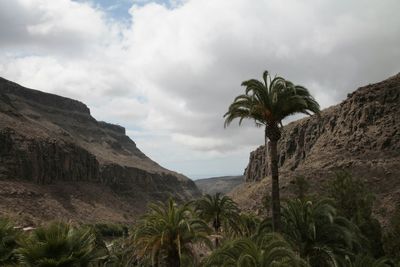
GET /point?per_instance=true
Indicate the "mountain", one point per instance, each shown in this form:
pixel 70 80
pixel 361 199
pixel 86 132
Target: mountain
pixel 58 162
pixel 222 184
pixel 360 135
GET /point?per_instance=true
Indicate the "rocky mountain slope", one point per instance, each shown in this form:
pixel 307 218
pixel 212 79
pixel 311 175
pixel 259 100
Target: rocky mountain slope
pixel 361 135
pixel 56 160
pixel 222 184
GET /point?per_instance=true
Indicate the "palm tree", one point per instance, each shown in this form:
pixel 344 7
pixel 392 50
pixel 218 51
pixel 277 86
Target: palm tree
pixel 246 225
pixel 268 103
pixel 218 210
pixel 121 254
pixel 262 250
pixel 318 234
pixel 167 232
pixel 8 242
pixel 59 245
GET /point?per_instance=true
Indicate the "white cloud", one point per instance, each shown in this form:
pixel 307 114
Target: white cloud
pixel 169 74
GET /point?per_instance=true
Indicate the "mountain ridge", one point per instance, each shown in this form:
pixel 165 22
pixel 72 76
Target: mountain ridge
pixel 361 135
pixel 219 184
pixel 50 140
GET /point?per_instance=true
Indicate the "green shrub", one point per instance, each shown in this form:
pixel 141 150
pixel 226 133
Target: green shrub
pixel 355 201
pixel 8 242
pixel 301 186
pixel 391 239
pixel 59 245
pixel 111 230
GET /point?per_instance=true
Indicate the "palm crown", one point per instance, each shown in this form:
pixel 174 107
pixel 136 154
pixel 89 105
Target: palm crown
pixel 270 101
pixel 218 209
pixel 168 231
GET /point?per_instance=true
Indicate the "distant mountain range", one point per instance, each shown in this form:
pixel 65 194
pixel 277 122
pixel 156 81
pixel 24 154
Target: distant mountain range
pixel 222 184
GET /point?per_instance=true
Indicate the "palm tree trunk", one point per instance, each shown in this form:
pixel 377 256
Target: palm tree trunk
pixel 216 228
pixel 276 203
pixel 173 259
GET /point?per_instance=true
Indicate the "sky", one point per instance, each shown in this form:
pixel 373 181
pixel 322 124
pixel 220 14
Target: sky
pixel 168 70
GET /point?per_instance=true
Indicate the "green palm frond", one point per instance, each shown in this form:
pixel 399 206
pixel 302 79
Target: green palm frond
pixel 169 230
pixel 57 245
pixel 270 101
pixel 363 260
pixel 318 233
pixel 264 250
pixel 8 242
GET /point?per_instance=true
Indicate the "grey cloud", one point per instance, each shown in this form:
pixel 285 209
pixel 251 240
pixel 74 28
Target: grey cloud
pixel 188 63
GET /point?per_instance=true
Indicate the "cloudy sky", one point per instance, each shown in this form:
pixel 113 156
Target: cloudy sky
pixel 167 70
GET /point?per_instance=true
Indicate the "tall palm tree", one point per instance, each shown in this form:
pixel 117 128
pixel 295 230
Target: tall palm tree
pixel 268 103
pixel 263 250
pixel 319 234
pixel 167 232
pixel 218 210
pixel 59 245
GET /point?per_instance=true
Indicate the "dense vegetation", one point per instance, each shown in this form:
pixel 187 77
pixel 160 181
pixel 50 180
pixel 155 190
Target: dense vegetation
pixel 333 230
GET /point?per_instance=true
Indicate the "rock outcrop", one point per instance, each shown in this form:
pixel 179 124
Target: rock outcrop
pixel 46 139
pixel 361 135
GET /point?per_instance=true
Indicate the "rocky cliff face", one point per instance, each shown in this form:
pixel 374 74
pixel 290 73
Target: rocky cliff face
pixel 47 139
pixel 361 135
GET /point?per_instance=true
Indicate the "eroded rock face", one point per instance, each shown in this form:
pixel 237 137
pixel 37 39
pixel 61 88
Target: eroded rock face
pixel 356 134
pixel 46 138
pixel 360 135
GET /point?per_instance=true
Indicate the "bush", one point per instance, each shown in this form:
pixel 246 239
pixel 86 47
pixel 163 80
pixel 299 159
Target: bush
pixel 391 239
pixel 8 242
pixel 111 230
pixel 59 244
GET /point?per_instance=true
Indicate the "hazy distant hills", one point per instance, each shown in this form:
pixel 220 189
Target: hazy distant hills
pixel 223 184
pixel 58 162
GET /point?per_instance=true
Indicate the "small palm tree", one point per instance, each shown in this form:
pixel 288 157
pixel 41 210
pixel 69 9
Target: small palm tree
pixel 59 245
pixel 268 103
pixel 218 210
pixel 8 242
pixel 265 250
pixel 167 232
pixel 246 225
pixel 318 234
pixel 121 254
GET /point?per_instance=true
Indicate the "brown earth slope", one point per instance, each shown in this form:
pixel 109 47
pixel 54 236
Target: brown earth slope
pixel 58 162
pixel 361 135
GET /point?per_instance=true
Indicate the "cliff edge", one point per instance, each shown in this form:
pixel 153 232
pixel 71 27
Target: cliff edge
pixel 360 135
pixel 52 151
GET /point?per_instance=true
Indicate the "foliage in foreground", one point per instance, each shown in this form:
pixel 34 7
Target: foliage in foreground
pixel 260 250
pixel 316 232
pixel 167 233
pixel 8 242
pixel 59 245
